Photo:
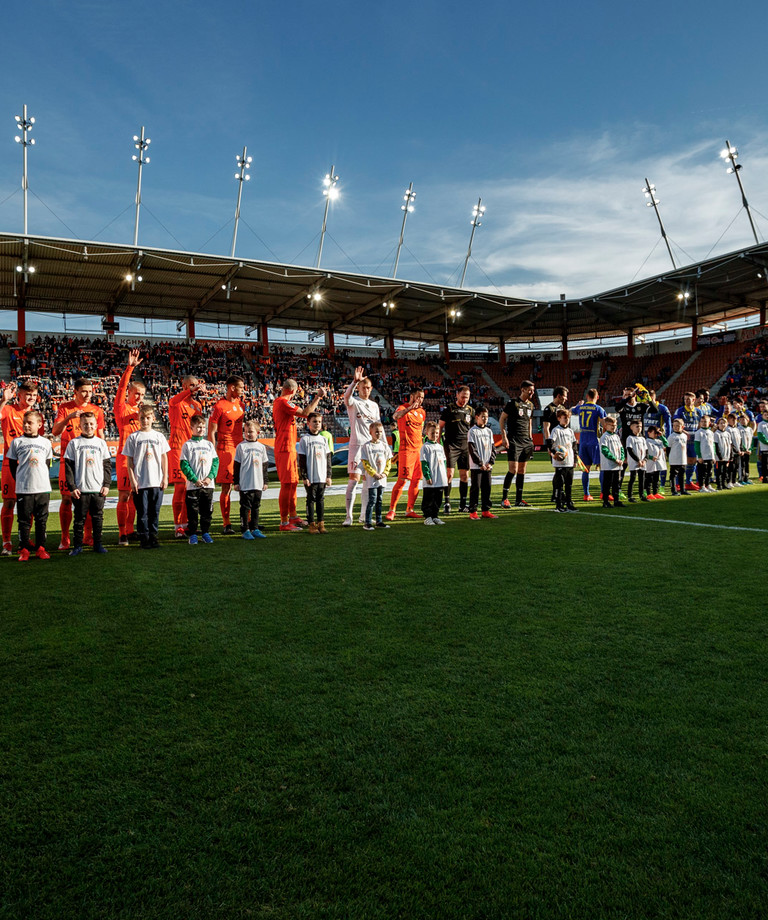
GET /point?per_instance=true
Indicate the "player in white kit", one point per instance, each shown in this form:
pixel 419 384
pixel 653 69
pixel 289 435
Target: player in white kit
pixel 363 412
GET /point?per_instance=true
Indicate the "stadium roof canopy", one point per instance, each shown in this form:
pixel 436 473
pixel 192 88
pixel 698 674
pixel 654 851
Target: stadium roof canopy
pixel 79 277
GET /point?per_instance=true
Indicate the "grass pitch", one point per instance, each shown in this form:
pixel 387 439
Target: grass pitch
pixel 543 716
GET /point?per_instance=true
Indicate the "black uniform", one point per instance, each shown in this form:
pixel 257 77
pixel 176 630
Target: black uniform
pixel 458 420
pixel 519 413
pixel 629 414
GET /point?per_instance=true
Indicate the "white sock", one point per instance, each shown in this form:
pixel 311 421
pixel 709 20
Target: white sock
pixel 350 497
pixel 364 499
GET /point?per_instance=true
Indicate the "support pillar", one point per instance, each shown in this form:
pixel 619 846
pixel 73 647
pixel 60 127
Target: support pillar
pixel 21 327
pixel 264 337
pixel 695 335
pixel 330 342
pixel 391 346
pixel 565 345
pixel 190 328
pixel 631 343
pixel 446 351
pixel 762 312
pixel 502 352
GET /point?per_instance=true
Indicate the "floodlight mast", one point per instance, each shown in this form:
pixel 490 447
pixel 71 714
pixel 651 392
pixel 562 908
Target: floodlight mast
pixel 331 194
pixel 140 143
pixel 243 163
pixel 406 209
pixel 730 154
pixel 477 213
pixel 650 193
pixel 25 124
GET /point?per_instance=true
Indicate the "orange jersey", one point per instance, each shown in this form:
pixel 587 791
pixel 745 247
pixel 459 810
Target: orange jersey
pixel 72 428
pixel 410 427
pixel 181 408
pixel 284 414
pixel 12 417
pixel 126 417
pixel 228 418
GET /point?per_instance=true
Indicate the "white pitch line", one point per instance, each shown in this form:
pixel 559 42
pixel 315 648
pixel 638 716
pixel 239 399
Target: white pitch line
pixel 631 517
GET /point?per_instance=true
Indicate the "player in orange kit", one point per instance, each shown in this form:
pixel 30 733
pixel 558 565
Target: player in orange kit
pixel 12 419
pixel 67 426
pixel 410 418
pixel 128 399
pixel 284 413
pixel 225 430
pixel 181 408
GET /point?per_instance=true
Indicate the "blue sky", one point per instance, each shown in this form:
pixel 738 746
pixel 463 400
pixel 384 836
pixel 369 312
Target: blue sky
pixel 553 113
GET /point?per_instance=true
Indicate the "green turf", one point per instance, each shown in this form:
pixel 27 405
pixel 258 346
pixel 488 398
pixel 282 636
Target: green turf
pixel 543 716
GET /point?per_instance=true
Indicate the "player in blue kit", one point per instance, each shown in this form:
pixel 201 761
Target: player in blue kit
pixel 590 415
pixel 689 414
pixel 661 419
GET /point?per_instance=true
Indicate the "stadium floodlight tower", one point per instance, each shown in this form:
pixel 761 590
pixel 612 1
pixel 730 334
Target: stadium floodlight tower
pixel 140 143
pixel 243 163
pixel 730 154
pixel 24 123
pixel 331 193
pixel 406 208
pixel 650 192
pixel 477 213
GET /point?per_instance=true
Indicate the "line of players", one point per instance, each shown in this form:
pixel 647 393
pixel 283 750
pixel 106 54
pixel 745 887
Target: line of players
pixel 714 442
pixel 225 431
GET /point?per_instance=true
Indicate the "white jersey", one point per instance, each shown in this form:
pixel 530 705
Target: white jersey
pixel 199 454
pixel 657 461
pixel 678 448
pixel 434 456
pixel 316 449
pixel 746 437
pixel 762 429
pixel 146 449
pixel 640 449
pixel 563 439
pixel 613 443
pixel 481 440
pixel 88 456
pixel 735 435
pixel 723 444
pixel 362 414
pixel 376 454
pixel 705 438
pixel 253 460
pixel 33 456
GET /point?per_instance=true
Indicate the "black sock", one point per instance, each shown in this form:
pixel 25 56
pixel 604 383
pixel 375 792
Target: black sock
pixel 519 482
pixel 463 489
pixel 505 487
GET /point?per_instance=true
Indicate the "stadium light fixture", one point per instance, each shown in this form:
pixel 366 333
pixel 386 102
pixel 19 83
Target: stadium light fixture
pixel 243 164
pixel 407 209
pixel 331 193
pixel 388 306
pixel 730 154
pixel 140 143
pixel 653 202
pixel 477 213
pixel 24 123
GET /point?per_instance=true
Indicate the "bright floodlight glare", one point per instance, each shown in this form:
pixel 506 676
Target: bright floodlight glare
pixel 31 269
pixel 332 193
pixel 129 277
pixel 19 268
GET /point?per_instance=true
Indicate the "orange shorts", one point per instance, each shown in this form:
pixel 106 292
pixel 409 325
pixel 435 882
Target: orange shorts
pixel 226 473
pixel 7 482
pixel 409 465
pixel 287 467
pixel 174 469
pixel 121 470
